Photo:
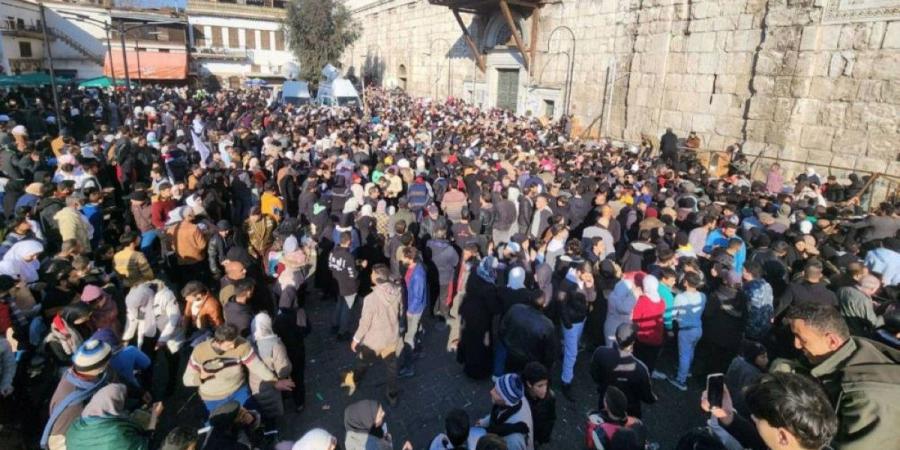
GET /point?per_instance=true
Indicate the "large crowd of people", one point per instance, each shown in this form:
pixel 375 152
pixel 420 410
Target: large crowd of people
pixel 167 249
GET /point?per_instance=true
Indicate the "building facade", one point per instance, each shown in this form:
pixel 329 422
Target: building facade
pixel 238 40
pixel 805 80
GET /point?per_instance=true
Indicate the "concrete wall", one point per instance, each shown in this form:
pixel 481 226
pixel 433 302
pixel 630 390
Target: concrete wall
pixel 810 80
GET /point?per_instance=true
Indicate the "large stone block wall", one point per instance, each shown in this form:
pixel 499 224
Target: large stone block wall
pixel 782 77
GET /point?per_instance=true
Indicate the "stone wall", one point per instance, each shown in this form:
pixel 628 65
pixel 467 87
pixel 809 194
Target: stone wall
pixel 805 80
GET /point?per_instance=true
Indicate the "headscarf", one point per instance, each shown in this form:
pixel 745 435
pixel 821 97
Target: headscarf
pixel 516 278
pixel 315 439
pixel 14 265
pixel 360 416
pixel 262 335
pixel 651 288
pixel 487 269
pixel 109 401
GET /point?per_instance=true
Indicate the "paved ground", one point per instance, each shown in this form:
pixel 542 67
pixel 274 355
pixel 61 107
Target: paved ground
pixel 440 386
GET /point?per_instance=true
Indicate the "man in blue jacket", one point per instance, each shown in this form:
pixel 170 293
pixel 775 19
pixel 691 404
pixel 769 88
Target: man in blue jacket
pixel 722 237
pixel 416 299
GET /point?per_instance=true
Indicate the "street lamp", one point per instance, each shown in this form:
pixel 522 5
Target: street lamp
pixel 568 86
pixel 436 76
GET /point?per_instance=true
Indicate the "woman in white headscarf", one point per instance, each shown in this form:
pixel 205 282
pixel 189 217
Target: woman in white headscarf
pixel 21 261
pixel 648 316
pixel 273 354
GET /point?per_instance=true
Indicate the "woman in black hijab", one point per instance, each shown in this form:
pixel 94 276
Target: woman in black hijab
pixel 364 422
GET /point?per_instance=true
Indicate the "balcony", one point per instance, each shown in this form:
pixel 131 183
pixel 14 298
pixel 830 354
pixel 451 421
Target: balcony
pixel 21 30
pixel 222 54
pixel 258 9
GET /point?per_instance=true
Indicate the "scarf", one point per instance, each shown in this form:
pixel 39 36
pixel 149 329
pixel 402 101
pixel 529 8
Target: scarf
pixel 14 264
pixel 84 389
pixel 499 416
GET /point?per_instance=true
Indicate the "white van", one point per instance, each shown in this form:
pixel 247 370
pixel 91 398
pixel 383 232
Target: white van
pixel 294 93
pixel 337 92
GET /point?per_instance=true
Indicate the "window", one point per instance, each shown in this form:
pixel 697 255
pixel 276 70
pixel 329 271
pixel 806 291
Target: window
pixel 279 40
pixel 199 39
pixel 233 38
pixel 264 37
pixel 250 39
pixel 216 36
pixel 24 49
pixel 549 107
pixel 254 68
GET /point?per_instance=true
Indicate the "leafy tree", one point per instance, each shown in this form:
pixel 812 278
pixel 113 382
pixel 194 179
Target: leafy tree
pixel 318 31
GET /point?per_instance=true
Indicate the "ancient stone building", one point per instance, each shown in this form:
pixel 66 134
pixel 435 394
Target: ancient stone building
pixel 804 80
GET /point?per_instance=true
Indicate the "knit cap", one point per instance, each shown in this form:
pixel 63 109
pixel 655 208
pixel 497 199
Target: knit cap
pixel 510 388
pixel 92 355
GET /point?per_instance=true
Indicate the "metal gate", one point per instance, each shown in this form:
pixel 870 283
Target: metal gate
pixel 507 88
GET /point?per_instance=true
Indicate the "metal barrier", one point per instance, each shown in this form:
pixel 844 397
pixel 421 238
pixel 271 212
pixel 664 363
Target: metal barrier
pixel 886 187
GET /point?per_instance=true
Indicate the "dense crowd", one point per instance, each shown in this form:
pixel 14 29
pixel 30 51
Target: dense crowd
pixel 168 249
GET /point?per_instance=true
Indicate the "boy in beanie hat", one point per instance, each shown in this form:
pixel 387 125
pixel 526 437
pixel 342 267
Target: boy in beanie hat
pixel 510 417
pixel 86 376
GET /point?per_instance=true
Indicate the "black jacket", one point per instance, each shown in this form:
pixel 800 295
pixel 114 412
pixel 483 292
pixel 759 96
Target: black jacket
pixel 543 415
pixel 611 366
pixel 343 269
pixel 216 252
pixel 529 335
pixel 504 215
pixel 573 307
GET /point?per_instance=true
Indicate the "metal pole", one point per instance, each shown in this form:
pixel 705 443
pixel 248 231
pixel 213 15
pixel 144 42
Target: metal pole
pixel 569 73
pixel 612 92
pixel 127 77
pixel 137 56
pixel 112 70
pixel 49 52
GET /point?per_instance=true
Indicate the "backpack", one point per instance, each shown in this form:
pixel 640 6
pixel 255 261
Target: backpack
pixel 599 433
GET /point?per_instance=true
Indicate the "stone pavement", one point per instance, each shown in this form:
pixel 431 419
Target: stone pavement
pixel 439 386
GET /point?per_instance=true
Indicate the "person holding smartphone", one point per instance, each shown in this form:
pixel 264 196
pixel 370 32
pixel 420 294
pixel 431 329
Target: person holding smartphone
pixel 788 411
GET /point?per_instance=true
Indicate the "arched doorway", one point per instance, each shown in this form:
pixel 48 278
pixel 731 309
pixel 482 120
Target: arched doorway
pixel 506 76
pixel 401 76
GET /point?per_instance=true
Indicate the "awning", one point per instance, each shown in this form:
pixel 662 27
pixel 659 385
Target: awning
pixel 101 82
pixel 29 79
pixel 149 65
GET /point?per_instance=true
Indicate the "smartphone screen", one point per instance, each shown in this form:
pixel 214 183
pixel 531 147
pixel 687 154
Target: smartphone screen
pixel 715 387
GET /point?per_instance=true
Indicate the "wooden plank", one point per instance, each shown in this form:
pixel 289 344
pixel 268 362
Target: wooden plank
pixel 532 50
pixel 479 58
pixel 517 36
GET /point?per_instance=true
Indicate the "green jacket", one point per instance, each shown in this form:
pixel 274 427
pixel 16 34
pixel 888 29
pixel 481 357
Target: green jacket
pixel 862 379
pixel 106 433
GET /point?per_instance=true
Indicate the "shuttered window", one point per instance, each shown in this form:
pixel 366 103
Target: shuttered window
pixel 250 39
pixel 216 36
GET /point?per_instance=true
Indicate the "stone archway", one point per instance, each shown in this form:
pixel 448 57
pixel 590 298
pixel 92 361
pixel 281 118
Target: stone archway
pixel 505 76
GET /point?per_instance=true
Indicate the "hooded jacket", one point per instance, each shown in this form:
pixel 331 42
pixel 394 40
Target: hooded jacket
pixel 445 260
pixel 862 379
pixel 529 335
pixel 379 322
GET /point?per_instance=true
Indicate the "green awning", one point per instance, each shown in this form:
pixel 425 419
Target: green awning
pixel 100 82
pixel 29 79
